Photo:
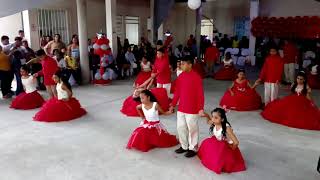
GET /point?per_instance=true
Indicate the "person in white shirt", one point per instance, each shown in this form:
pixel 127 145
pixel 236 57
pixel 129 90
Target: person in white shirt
pixel 130 58
pixel 6 45
pixel 178 52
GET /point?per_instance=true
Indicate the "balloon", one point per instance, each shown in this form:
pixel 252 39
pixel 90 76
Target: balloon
pixel 104 47
pixel 104 64
pixel 96 46
pixel 105 76
pixel 104 59
pixel 194 4
pixel 97 76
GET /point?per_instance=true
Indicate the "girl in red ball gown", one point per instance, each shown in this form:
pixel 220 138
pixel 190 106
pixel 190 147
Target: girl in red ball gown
pixel 131 102
pixel 145 72
pixel 241 96
pixel 151 133
pixel 64 107
pixel 220 153
pixel 30 98
pixel 296 110
pixel 227 71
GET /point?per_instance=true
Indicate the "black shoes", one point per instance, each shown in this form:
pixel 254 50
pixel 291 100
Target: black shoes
pixel 180 150
pixel 190 154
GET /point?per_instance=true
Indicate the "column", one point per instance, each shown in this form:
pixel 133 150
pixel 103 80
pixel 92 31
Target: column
pixel 160 33
pixel 111 17
pixel 198 29
pixel 83 40
pixel 151 23
pixel 254 12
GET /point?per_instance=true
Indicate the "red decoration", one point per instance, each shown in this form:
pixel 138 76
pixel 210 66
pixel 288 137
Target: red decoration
pixel 290 27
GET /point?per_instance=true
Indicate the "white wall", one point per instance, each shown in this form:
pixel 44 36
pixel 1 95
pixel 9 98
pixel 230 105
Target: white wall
pixel 10 25
pixel 182 20
pixel 286 8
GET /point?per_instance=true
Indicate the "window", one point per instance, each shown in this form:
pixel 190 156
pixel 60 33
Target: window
pixel 132 29
pixel 207 28
pixel 54 21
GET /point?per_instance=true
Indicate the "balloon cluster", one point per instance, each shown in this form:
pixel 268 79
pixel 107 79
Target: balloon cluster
pixel 291 27
pixel 101 47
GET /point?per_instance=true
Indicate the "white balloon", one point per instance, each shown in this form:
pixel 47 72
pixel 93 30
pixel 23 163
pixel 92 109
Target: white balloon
pixel 194 4
pixel 104 64
pixel 96 46
pixel 105 76
pixel 97 76
pixel 104 47
pixel 104 59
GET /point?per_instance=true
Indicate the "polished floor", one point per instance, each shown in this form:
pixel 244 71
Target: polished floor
pixel 93 147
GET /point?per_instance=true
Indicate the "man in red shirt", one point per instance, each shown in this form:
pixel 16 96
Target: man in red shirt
pixel 271 75
pixel 211 56
pixel 189 94
pixel 290 56
pixel 162 70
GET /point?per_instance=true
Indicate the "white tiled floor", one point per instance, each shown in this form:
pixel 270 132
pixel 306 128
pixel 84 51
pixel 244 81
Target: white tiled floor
pixel 93 147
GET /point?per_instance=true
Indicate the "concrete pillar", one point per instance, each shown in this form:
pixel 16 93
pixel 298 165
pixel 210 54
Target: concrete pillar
pixel 160 33
pixel 151 23
pixel 198 29
pixel 111 18
pixel 254 12
pixel 83 40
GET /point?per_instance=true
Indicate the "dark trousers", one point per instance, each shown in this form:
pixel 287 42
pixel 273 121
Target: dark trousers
pixel 6 79
pixel 76 75
pixel 19 83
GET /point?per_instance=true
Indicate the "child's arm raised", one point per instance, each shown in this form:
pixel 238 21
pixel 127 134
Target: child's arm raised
pixel 139 109
pixel 233 138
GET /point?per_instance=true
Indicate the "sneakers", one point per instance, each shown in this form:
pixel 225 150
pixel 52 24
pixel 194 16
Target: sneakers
pixel 180 150
pixel 190 154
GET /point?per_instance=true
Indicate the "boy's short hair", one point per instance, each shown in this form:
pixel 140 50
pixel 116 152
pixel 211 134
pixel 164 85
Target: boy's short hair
pixel 188 59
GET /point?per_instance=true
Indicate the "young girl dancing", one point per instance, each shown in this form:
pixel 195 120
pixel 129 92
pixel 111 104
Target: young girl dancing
pixel 145 72
pixel 64 107
pixel 227 71
pixel 296 110
pixel 131 102
pixel 151 133
pixel 220 153
pixel 241 96
pixel 30 98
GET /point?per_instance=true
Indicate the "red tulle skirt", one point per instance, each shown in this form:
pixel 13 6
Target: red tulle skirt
pixel 314 81
pixel 142 77
pixel 27 101
pixel 199 68
pixel 249 100
pixel 219 157
pixel 129 105
pixel 293 111
pixel 55 110
pixel 151 135
pixel 226 73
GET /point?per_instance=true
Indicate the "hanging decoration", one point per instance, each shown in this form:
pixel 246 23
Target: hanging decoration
pixel 194 4
pixel 298 27
pixel 101 48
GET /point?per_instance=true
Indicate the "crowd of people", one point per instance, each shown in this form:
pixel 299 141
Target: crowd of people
pixel 154 93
